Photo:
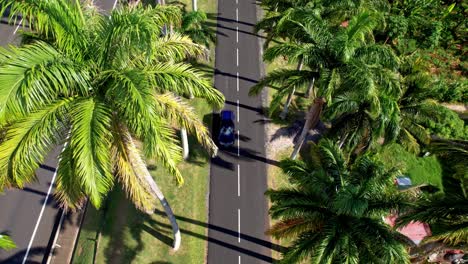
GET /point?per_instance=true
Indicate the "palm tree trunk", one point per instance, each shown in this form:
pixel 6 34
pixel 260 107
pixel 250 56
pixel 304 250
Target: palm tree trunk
pixel 284 113
pixel 310 88
pixel 155 191
pixel 312 119
pixel 194 5
pixel 183 131
pixel 185 145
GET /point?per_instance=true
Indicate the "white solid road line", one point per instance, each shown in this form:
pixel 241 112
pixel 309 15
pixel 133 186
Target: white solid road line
pixel 238 225
pixel 238 180
pixel 237 81
pixel 17 27
pixel 238 143
pixel 40 216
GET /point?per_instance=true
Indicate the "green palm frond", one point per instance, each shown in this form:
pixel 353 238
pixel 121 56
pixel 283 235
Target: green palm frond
pixel 6 242
pixel 451 235
pixel 160 143
pixel 378 54
pixel 290 50
pixel 176 47
pixel 180 79
pixel 29 140
pixel 129 172
pixel 90 138
pixel 69 191
pixel 302 248
pixel 291 228
pixel 277 99
pixel 175 109
pixel 284 78
pixel 33 76
pixel 62 21
pixel 455 150
pixel 195 25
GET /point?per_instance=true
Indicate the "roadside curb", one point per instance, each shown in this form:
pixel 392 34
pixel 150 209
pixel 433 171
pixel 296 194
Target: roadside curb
pixel 67 236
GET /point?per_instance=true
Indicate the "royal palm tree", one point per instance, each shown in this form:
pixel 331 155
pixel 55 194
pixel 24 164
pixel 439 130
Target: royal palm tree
pixel 333 53
pixel 6 242
pixel 403 115
pixel 195 25
pixel 447 212
pixel 275 22
pixel 98 86
pixel 454 153
pixel 333 210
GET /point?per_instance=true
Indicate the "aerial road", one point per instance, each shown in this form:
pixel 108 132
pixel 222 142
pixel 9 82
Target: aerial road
pixel 238 216
pixel 31 215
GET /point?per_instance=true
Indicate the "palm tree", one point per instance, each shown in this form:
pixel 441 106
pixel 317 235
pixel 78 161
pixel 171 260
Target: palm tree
pixel 448 212
pixel 6 242
pixel 404 114
pixel 333 210
pixel 354 74
pixel 195 25
pixel 455 154
pixel 311 120
pixel 278 12
pixel 97 85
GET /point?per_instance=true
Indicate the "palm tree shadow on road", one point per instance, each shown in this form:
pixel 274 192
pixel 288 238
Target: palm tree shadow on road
pixel 161 231
pixel 140 223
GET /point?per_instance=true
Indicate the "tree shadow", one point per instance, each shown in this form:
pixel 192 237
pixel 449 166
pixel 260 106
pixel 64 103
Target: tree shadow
pixel 249 155
pixel 224 19
pixel 258 110
pixel 163 232
pixel 140 223
pixel 218 72
pixel 17 257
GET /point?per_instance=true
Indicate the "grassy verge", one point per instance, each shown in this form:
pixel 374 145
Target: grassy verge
pixel 421 170
pixel 130 236
pixel 277 179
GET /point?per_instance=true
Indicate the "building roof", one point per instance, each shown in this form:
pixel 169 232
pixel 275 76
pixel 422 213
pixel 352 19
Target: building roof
pixel 416 231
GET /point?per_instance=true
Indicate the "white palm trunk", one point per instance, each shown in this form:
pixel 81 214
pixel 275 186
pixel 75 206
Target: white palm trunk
pixel 310 88
pixel 143 173
pixel 183 131
pixel 194 5
pixel 312 119
pixel 185 145
pixel 284 113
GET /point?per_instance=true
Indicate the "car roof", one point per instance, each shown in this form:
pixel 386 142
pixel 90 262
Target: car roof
pixel 227 114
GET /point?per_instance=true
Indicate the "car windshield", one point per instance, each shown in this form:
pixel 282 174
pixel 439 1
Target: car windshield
pixel 226 130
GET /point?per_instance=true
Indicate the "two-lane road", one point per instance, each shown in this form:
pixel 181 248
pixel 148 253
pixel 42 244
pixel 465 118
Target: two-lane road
pixel 238 215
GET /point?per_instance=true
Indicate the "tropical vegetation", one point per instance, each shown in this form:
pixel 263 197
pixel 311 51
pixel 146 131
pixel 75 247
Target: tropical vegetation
pixel 108 90
pixel 6 242
pixel 378 74
pixel 334 210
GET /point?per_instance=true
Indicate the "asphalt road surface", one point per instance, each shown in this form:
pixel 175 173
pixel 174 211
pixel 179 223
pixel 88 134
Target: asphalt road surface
pixel 238 214
pixel 30 216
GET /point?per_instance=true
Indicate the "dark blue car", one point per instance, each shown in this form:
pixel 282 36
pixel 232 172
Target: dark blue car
pixel 227 135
